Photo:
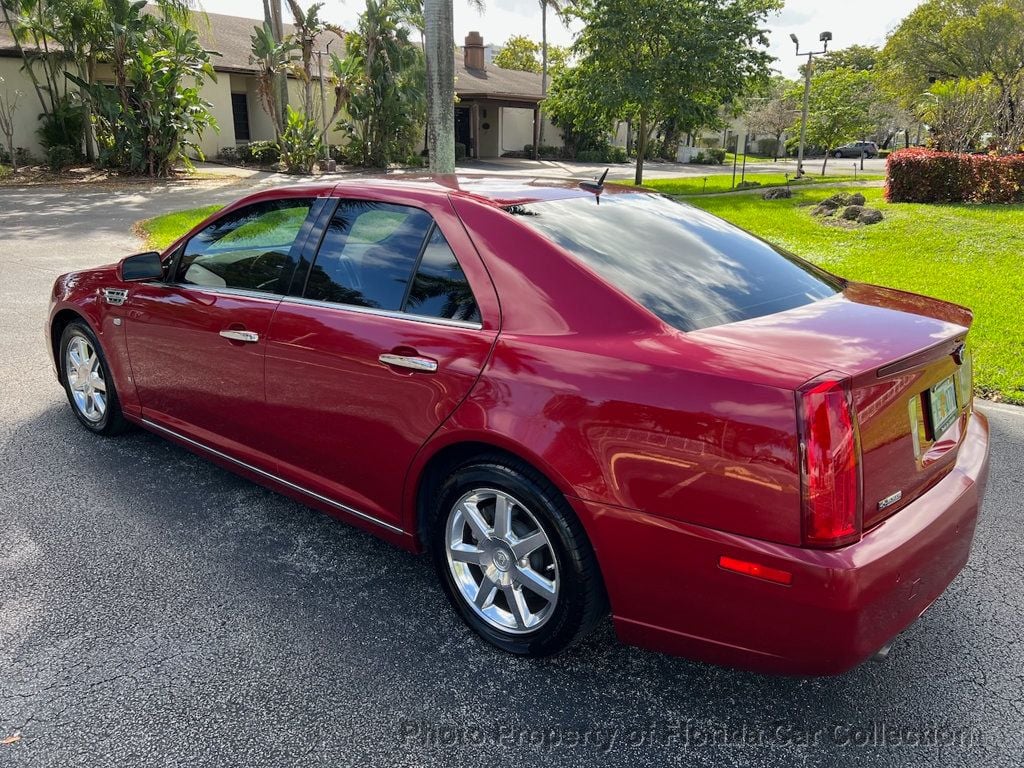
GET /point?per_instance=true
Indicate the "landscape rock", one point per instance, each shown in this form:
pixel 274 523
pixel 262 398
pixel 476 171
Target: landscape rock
pixel 778 193
pixel 857 199
pixel 852 212
pixel 870 216
pixel 824 210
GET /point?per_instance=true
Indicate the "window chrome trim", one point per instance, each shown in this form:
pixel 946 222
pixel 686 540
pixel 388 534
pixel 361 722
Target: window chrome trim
pixel 270 476
pixel 393 314
pixel 277 297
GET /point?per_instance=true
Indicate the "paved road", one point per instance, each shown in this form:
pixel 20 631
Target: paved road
pixel 156 610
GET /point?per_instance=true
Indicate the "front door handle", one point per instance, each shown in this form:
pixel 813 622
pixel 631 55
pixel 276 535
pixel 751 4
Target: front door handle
pixel 249 337
pixel 412 362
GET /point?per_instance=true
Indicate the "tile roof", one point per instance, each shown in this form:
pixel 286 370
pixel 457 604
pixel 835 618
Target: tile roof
pixel 229 36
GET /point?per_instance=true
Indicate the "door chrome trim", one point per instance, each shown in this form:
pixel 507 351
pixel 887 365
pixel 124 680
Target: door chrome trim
pixel 275 478
pixel 249 337
pixel 411 362
pixel 384 313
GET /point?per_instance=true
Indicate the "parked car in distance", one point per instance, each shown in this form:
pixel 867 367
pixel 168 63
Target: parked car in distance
pixel 576 397
pixel 857 148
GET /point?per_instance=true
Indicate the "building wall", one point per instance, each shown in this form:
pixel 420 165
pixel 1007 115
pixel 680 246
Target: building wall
pixel 517 130
pixel 26 117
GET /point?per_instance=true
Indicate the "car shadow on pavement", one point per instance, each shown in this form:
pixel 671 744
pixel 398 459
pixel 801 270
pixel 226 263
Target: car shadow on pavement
pixel 153 560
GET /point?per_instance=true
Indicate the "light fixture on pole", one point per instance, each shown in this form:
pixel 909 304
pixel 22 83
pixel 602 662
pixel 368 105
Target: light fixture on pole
pixel 824 37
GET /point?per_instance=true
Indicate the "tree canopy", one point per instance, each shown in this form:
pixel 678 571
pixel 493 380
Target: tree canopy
pixel 649 61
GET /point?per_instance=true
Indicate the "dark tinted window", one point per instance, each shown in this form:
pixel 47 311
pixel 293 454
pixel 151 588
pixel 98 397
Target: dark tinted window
pixel 690 268
pixel 440 288
pixel 368 254
pixel 249 248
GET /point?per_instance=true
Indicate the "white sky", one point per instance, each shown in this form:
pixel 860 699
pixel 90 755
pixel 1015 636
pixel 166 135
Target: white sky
pixel 865 21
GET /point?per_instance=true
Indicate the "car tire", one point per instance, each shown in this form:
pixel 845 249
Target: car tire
pixel 89 387
pixel 533 605
pixel 839 155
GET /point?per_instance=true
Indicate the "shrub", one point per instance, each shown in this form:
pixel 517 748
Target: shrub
pixel 767 147
pixel 925 176
pixel 262 152
pixel 5 156
pixel 602 154
pixel 228 154
pixel 64 127
pixel 23 156
pixel 460 151
pixel 711 156
pixel 60 157
pixel 300 143
pixel 5 171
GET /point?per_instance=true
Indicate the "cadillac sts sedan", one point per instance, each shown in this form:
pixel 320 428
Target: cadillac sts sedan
pixel 579 399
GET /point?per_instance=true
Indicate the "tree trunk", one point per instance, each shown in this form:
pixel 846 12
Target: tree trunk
pixel 280 78
pixel 543 70
pixel 440 57
pixel 825 164
pixel 641 150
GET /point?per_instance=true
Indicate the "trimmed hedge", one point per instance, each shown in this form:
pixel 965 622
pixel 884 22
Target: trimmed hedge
pixel 924 176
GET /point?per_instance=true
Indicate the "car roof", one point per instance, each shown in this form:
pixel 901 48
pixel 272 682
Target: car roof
pixel 498 191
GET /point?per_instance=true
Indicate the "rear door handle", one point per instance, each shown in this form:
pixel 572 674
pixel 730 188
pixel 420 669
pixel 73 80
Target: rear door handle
pixel 249 337
pixel 412 362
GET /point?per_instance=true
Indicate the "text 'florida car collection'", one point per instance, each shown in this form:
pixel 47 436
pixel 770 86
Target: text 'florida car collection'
pixel 577 398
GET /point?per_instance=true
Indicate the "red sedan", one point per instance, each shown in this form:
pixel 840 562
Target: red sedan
pixel 577 398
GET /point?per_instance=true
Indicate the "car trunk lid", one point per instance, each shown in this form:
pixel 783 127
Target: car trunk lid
pixel 904 357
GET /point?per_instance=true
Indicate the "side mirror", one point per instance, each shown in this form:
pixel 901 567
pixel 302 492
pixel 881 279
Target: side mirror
pixel 141 266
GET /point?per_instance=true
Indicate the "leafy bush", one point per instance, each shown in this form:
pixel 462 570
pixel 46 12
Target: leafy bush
pixel 262 152
pixel 767 147
pixel 23 156
pixel 300 143
pixel 710 156
pixel 229 154
pixel 63 127
pixel 460 151
pixel 925 176
pixel 602 154
pixel 60 157
pixel 5 171
pixel 546 151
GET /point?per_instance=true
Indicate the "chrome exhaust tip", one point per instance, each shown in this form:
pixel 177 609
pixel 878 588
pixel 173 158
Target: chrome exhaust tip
pixel 882 652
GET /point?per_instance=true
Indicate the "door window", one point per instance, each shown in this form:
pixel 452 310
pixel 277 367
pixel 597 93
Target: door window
pixel 440 288
pixel 368 254
pixel 251 248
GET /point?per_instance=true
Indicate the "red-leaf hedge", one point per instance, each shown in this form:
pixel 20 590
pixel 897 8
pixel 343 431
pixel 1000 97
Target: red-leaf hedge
pixel 923 176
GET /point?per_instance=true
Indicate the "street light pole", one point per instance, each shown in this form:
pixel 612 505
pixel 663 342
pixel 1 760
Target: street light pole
pixel 824 37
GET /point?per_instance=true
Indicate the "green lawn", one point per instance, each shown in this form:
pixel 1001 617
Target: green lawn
pixel 161 231
pixel 969 254
pixel 722 182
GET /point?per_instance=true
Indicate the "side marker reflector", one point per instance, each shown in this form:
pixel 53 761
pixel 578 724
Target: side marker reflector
pixel 756 570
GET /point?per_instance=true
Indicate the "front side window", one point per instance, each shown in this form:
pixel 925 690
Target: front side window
pixel 691 269
pixel 251 248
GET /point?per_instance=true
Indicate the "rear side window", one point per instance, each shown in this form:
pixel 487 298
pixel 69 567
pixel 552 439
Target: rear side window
pixel 250 248
pixel 691 269
pixel 440 288
pixel 368 254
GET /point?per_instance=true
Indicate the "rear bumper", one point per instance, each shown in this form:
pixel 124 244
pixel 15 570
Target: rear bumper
pixel 669 594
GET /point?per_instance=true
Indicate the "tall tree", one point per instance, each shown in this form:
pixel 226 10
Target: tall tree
pixel 8 106
pixel 519 52
pixel 775 113
pixel 839 109
pixel 954 39
pixel 557 6
pixel 439 37
pixel 651 60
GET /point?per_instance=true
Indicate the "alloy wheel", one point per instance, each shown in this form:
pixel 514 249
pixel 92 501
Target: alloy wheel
pixel 86 378
pixel 502 561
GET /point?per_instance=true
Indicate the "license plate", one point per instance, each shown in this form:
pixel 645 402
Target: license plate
pixel 942 398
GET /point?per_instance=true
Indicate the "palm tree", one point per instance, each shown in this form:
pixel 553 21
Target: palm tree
pixel 439 37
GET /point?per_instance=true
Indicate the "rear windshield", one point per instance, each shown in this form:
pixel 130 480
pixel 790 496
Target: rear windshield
pixel 691 269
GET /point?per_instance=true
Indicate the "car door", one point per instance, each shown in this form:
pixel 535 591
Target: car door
pixel 197 341
pixel 385 339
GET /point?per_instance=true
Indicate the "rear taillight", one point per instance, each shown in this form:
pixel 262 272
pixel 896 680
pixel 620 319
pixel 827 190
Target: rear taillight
pixel 829 454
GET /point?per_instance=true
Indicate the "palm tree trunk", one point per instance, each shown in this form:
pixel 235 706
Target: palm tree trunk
pixel 280 78
pixel 440 37
pixel 543 68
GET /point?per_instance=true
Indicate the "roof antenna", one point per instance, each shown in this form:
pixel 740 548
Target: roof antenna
pixel 597 187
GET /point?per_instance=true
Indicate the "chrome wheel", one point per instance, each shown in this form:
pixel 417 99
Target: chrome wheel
pixel 86 378
pixel 502 561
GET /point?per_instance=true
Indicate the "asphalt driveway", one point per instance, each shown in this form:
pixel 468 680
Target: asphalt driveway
pixel 156 610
